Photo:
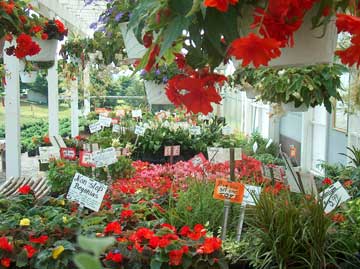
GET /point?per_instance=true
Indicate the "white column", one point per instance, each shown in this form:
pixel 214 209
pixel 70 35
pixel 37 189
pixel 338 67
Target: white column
pixel 74 108
pixel 86 90
pixel 274 128
pixel 12 116
pixel 53 100
pixel 306 140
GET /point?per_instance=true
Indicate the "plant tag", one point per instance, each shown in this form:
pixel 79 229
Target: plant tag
pixel 86 159
pixel 227 130
pixel 116 128
pixel 87 192
pixel 255 147
pixel 250 193
pixel 105 121
pixel 47 153
pixel 95 127
pixel 195 130
pixel 120 113
pixel 136 113
pixel 292 151
pixel 140 130
pixel 68 153
pixel 104 157
pixel 172 151
pixel 333 196
pixel 198 160
pixel 269 143
pixel 226 190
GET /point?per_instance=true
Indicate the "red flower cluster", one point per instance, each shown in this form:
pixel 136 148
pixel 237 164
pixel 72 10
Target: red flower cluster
pixel 5 262
pixel 26 189
pixel 8 7
pixel 115 257
pixel 39 240
pixel 5 245
pixel 327 181
pixel 113 227
pixel 25 47
pixel 196 91
pixel 176 255
pixel 210 245
pixel 30 250
pixel 221 5
pixel 350 24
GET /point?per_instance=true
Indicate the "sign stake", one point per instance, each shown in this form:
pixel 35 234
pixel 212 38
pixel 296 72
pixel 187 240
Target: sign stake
pixel 241 222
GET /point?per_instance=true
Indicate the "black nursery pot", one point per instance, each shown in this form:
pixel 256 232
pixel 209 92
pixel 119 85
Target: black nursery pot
pixel 33 152
pixel 240 265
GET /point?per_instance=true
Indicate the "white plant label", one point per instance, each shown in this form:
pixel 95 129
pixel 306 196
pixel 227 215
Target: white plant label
pixel 140 130
pixel 136 113
pixel 105 121
pixel 95 127
pixel 269 143
pixel 255 147
pixel 221 155
pixel 87 192
pixel 227 130
pixel 195 130
pixel 333 196
pixel 104 157
pixel 47 153
pixel 116 128
pixel 250 193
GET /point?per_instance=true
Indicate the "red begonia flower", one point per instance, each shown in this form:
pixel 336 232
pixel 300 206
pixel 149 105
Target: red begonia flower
pixel 351 55
pixel 221 5
pixel 348 23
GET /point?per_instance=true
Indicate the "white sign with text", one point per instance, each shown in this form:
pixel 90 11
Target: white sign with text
pixel 47 153
pixel 104 157
pixel 333 196
pixel 95 127
pixel 251 193
pixel 195 130
pixel 105 121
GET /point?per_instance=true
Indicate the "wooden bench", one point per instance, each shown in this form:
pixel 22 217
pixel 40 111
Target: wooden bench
pixel 39 186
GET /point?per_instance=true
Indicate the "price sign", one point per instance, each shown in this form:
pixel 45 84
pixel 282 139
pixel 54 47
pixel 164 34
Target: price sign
pixel 226 190
pixel 47 153
pixel 140 130
pixel 86 159
pixel 172 151
pixel 251 193
pixel 136 113
pixel 68 153
pixel 227 130
pixel 195 130
pixel 95 127
pixel 104 157
pixel 221 155
pixel 198 159
pixel 116 128
pixel 333 196
pixel 105 121
pixel 87 192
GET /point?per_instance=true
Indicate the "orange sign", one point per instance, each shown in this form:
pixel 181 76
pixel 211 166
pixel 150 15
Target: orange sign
pixel 226 190
pixel 292 151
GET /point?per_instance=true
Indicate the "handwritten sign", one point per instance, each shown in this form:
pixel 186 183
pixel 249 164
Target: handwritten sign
pixel 47 153
pixel 251 193
pixel 172 151
pixel 227 130
pixel 226 190
pixel 136 113
pixel 87 192
pixel 68 153
pixel 140 130
pixel 105 121
pixel 333 196
pixel 221 155
pixel 195 130
pixel 116 128
pixel 104 157
pixel 198 159
pixel 95 127
pixel 86 159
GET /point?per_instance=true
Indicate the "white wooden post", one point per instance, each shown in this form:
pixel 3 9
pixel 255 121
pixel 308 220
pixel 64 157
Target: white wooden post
pixel 306 140
pixel 86 90
pixel 74 108
pixel 12 116
pixel 274 128
pixel 53 100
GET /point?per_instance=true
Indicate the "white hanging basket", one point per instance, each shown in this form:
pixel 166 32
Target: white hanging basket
pixel 47 52
pixel 250 92
pixel 311 46
pixel 28 77
pixel 290 107
pixel 156 94
pixel 133 48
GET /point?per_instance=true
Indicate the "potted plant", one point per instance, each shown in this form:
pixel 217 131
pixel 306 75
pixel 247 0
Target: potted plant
pixel 73 49
pixel 297 89
pixel 47 34
pixel 29 73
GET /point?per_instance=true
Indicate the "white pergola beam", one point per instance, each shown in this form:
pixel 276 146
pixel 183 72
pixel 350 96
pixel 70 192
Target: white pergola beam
pixel 74 108
pixel 53 100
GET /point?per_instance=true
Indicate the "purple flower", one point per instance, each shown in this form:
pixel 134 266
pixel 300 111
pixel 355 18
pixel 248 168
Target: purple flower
pixel 94 25
pixel 109 34
pixel 119 16
pixel 157 72
pixel 88 2
pixel 165 79
pixel 143 73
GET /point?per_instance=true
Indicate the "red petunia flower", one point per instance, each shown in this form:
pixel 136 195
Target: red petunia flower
pixel 39 240
pixel 221 5
pixel 327 181
pixel 30 250
pixel 5 262
pixel 5 245
pixel 254 49
pixel 113 227
pixel 115 257
pixel 348 23
pixel 26 189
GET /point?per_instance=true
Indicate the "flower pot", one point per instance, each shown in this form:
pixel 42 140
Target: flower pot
pixel 156 93
pixel 290 107
pixel 28 77
pixel 133 48
pixel 250 91
pixel 47 53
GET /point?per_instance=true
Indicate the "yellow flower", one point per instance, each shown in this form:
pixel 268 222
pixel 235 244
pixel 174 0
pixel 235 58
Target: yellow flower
pixel 25 222
pixel 62 202
pixel 57 251
pixel 64 219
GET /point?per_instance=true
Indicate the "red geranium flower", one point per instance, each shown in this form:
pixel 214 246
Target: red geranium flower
pixel 35 29
pixel 115 257
pixel 210 245
pixel 44 36
pixel 60 26
pixel 255 49
pixel 30 250
pixel 327 181
pixel 5 262
pixel 8 7
pixel 113 227
pixel 221 5
pixel 26 189
pixel 5 245
pixel 25 46
pixel 348 23
pixel 175 257
pixel 127 214
pixel 39 240
pixel 351 55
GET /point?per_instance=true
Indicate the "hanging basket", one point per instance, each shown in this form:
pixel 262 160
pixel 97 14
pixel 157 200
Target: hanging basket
pixel 28 77
pixel 133 48
pixel 2 44
pixel 290 107
pixel 250 92
pixel 47 53
pixel 155 93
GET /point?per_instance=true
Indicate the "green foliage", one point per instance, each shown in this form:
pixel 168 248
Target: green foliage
pixel 355 155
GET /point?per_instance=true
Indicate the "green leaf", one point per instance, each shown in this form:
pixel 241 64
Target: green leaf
pixel 181 6
pixel 22 259
pixel 86 261
pixel 155 264
pixel 223 264
pixel 172 32
pixel 95 245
